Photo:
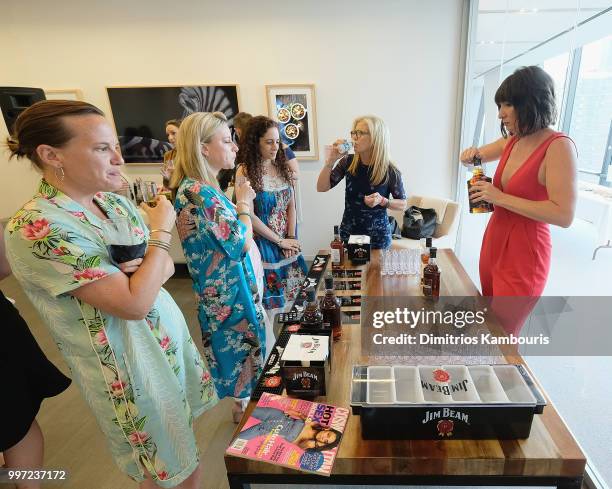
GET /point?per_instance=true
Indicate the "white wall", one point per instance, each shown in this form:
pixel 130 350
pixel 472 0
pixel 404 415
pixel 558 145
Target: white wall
pixel 394 58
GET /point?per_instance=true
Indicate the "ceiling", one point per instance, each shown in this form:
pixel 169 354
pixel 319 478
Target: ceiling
pixel 507 28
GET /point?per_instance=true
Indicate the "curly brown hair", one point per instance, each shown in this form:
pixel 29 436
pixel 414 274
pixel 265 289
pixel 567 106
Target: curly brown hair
pixel 250 155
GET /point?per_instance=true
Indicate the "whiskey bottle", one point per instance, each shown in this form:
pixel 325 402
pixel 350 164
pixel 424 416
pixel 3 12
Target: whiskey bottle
pixel 330 307
pixel 431 276
pixel 337 249
pixel 425 246
pixel 312 318
pixel 478 175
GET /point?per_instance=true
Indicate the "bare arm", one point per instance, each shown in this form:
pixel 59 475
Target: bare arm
pixel 397 204
pixel 294 168
pixel 132 297
pixel 488 152
pixel 5 268
pixel 331 156
pixel 560 180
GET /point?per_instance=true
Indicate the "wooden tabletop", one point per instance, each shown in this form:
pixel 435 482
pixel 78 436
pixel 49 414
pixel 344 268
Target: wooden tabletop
pixel 550 450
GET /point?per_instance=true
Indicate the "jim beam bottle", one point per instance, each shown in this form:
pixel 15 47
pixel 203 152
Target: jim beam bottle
pixel 337 249
pixel 425 247
pixel 478 175
pixel 312 318
pixel 431 276
pixel 330 307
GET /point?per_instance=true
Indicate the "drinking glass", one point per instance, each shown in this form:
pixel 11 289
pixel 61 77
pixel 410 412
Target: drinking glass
pixel 121 240
pixel 149 192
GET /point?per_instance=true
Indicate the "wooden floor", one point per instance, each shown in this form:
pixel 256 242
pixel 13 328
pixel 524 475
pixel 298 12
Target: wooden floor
pixel 73 441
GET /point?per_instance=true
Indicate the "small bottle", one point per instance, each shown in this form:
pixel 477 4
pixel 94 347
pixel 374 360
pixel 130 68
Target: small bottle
pixel 431 276
pixel 425 246
pixel 312 317
pixel 330 307
pixel 478 175
pixel 337 249
pixel 344 147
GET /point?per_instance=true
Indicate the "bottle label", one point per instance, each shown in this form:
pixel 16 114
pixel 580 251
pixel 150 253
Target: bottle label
pixel 335 255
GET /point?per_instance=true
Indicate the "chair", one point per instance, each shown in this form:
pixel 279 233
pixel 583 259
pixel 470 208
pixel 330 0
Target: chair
pixel 445 232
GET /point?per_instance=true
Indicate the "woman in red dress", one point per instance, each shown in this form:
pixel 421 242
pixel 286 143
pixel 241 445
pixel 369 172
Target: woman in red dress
pixel 534 186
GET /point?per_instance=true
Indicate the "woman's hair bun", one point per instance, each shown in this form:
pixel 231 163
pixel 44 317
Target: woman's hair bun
pixel 12 144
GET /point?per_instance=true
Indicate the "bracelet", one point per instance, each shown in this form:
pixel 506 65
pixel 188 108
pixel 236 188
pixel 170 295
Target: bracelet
pixel 244 214
pixel 289 237
pixel 160 231
pixel 159 244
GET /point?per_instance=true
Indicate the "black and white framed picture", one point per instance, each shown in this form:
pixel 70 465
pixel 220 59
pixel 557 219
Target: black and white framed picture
pixel 293 107
pixel 140 114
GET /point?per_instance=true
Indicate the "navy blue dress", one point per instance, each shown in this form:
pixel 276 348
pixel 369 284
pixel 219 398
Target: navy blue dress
pixel 358 218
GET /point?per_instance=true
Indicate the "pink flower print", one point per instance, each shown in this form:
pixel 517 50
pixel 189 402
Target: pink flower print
pixel 61 251
pixel 36 230
pixel 164 343
pixel 205 376
pixel 117 388
pixel 138 437
pixel 196 187
pixel 79 214
pixel 222 230
pixel 223 313
pixel 163 475
pixel 89 274
pixel 138 232
pixel 209 213
pixel 101 338
pixel 210 291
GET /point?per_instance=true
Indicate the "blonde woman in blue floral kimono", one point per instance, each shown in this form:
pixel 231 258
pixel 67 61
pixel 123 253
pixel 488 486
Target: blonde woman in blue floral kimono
pixel 216 238
pixel 122 335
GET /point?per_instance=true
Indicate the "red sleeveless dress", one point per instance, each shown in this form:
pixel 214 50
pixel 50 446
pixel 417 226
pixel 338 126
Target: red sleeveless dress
pixel 515 253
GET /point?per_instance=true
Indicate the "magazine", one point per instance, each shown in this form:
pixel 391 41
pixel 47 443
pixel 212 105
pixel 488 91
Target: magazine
pixel 294 433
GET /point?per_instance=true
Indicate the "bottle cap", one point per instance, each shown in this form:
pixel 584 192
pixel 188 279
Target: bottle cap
pixel 476 161
pixel 329 282
pixel 311 294
pixel 433 251
pixel 336 229
pixel 428 241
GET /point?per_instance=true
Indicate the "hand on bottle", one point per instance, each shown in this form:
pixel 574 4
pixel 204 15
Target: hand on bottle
pixel 372 200
pixel 244 191
pixel 331 152
pixel 484 190
pixel 162 216
pixel 467 155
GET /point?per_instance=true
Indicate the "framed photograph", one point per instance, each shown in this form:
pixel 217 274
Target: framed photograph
pixel 140 114
pixel 293 106
pixel 64 94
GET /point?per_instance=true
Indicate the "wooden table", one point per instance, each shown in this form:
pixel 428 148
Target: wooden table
pixel 549 457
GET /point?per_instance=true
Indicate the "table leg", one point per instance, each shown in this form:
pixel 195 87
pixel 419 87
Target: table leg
pixel 607 245
pixel 570 483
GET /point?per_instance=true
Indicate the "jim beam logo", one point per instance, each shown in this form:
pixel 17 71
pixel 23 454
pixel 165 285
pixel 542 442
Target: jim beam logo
pixel 445 416
pixel 306 379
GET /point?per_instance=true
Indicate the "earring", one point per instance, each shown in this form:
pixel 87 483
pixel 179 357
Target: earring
pixel 62 176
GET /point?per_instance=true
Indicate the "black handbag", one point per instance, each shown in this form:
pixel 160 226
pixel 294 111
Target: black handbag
pixel 419 223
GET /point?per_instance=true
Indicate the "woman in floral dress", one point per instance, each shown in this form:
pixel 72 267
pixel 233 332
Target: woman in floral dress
pixel 123 337
pixel 216 237
pixel 274 207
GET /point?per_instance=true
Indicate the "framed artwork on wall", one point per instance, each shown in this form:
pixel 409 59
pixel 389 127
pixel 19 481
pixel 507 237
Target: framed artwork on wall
pixel 293 107
pixel 140 114
pixel 63 94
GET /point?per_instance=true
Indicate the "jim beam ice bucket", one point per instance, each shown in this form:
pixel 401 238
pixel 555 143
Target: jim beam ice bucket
pixel 426 402
pixel 305 365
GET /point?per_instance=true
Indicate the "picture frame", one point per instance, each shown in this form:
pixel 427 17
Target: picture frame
pixel 139 114
pixel 63 94
pixel 293 107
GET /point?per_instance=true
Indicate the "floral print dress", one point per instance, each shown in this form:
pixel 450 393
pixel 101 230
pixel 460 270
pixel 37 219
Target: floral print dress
pixel 231 319
pixel 358 218
pixel 283 276
pixel 144 379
